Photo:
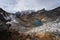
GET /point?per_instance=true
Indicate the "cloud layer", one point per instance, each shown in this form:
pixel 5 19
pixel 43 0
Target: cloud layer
pixel 19 5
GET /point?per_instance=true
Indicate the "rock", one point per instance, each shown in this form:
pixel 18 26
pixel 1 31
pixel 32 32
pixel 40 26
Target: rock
pixel 3 20
pixel 35 36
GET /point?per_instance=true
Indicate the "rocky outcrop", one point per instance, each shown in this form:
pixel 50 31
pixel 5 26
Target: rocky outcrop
pixel 4 18
pixel 15 35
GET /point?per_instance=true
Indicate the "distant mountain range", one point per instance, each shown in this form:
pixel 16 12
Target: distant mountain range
pixel 37 25
pixel 27 17
pixel 42 15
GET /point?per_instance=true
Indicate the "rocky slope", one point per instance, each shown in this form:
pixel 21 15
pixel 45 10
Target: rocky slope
pixel 35 25
pixel 42 17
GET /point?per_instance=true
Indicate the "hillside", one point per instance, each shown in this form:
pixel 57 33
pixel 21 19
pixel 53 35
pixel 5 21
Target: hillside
pixel 34 25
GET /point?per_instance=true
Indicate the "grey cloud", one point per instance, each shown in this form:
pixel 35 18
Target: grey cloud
pixel 19 5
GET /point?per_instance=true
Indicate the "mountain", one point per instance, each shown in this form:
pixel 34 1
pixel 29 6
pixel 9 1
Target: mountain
pixel 33 25
pixel 28 17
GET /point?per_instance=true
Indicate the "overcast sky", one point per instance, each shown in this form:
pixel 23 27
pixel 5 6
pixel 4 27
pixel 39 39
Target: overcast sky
pixel 19 5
